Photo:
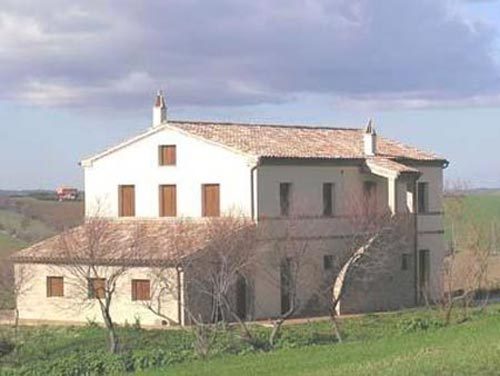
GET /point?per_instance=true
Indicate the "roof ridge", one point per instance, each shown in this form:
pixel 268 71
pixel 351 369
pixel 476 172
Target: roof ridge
pixel 270 125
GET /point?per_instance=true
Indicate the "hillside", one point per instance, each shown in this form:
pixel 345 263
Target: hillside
pixel 25 220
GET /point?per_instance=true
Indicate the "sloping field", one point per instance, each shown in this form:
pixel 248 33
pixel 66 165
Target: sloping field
pixel 467 349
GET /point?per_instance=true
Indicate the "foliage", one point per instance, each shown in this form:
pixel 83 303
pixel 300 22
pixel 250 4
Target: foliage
pixel 418 324
pixel 81 350
pixel 466 349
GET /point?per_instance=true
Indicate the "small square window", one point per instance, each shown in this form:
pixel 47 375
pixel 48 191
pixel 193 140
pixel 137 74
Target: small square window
pixel 141 290
pixel 328 262
pixel 167 155
pixel 55 286
pixel 96 288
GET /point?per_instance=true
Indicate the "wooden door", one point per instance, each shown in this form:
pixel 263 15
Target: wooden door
pixel 127 201
pixel 210 200
pixel 168 201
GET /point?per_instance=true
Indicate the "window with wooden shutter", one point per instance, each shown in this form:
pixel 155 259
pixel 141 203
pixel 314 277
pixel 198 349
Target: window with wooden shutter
pixel 167 155
pixel 168 200
pixel 55 286
pixel 141 290
pixel 126 201
pixel 210 200
pixel 96 288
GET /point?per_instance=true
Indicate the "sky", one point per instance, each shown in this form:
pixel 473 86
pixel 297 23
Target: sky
pixel 77 77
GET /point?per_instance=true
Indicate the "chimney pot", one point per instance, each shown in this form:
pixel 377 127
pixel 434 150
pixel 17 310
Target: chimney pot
pixel 370 139
pixel 159 110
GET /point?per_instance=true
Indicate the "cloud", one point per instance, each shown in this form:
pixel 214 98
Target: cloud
pixel 238 52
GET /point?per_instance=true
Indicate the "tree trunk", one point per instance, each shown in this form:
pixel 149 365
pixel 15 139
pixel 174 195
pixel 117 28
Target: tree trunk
pixel 274 333
pixel 336 326
pixel 16 319
pixel 113 341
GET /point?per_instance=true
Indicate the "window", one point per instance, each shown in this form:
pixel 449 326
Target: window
pixel 424 273
pixel 328 262
pixel 286 285
pixel 55 286
pixel 141 290
pixel 241 297
pixel 210 200
pixel 285 192
pixel 96 288
pixel 370 197
pixel 126 200
pixel 328 199
pixel 405 261
pixel 423 197
pixel 167 155
pixel 168 200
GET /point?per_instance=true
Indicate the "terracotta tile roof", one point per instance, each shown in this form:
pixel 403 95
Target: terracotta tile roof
pixel 281 141
pixel 284 141
pixel 131 241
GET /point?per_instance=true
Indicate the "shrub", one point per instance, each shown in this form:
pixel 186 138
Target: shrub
pixel 417 324
pixel 6 347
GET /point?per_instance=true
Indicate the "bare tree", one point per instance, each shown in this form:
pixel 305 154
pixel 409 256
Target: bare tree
pixel 214 255
pixel 472 243
pixel 286 263
pixel 95 256
pixel 15 282
pixel 375 236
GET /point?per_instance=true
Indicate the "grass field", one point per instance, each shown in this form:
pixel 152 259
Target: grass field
pixel 26 220
pixel 468 349
pixel 412 342
pixel 9 244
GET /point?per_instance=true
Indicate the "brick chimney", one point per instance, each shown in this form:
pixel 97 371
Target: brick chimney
pixel 159 110
pixel 370 139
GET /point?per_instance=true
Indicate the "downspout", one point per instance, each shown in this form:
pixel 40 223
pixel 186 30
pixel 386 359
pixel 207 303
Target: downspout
pixel 180 303
pixel 415 247
pixel 252 189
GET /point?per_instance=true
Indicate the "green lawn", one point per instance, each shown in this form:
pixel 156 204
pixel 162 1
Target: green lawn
pixel 468 349
pixel 411 342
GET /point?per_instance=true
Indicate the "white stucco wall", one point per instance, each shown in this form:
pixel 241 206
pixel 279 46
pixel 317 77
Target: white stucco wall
pixel 198 162
pixel 74 307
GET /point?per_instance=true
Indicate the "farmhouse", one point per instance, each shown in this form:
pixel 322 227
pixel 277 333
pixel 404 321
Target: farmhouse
pixel 178 176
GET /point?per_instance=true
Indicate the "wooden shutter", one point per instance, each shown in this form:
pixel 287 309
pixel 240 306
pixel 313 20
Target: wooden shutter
pixel 210 200
pixel 55 286
pixel 97 288
pixel 126 201
pixel 168 200
pixel 167 155
pixel 141 289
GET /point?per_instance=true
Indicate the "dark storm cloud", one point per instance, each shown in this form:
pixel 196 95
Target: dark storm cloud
pixel 232 52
